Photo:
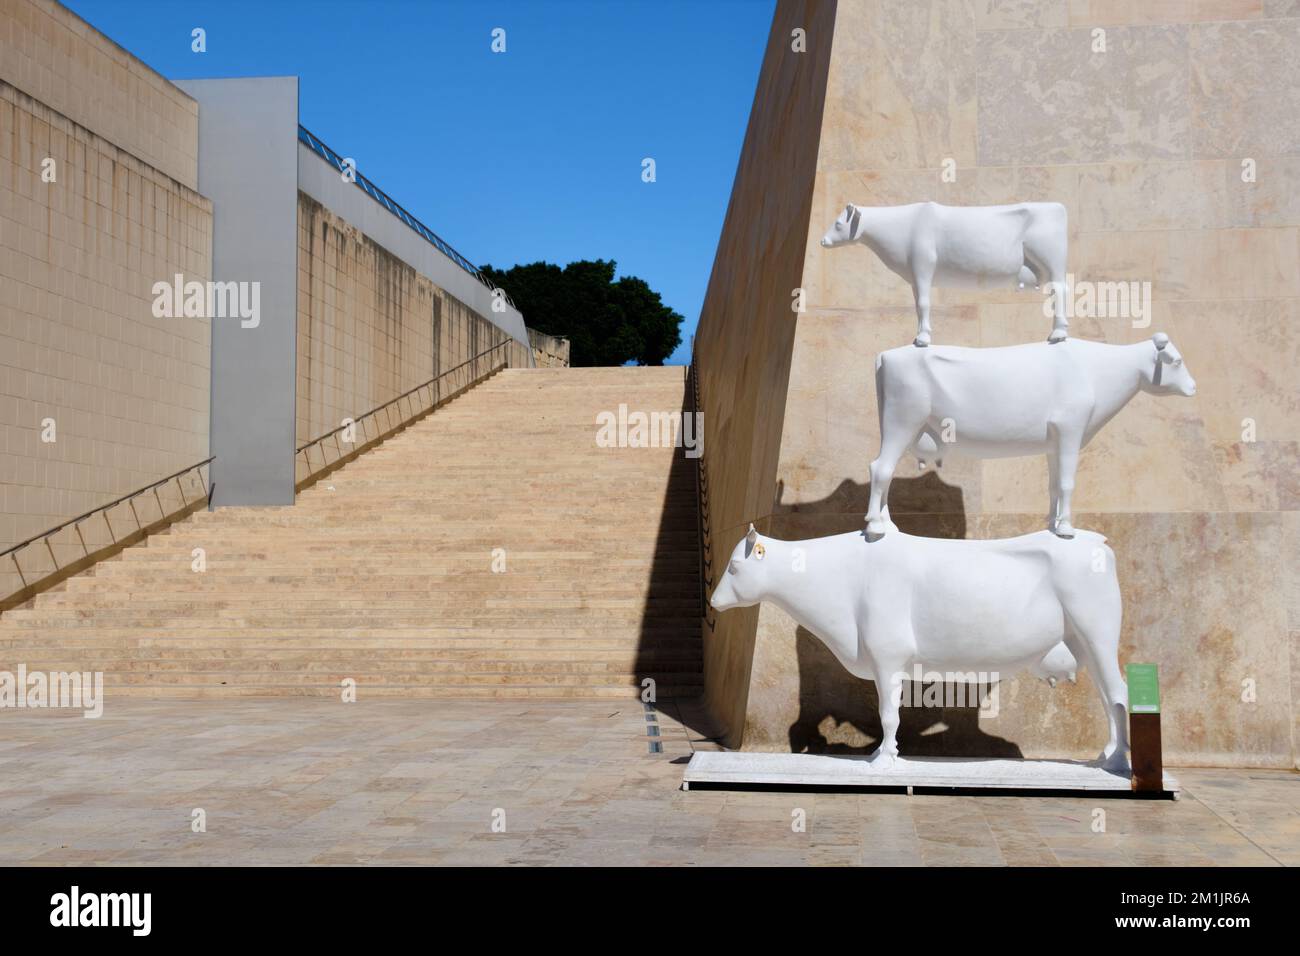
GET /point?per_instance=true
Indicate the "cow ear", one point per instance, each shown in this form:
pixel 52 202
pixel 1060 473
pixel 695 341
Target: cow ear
pixel 1164 351
pixel 853 222
pixel 750 539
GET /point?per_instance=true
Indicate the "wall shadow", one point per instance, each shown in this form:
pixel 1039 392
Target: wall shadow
pixel 924 505
pixel 838 715
pixel 670 646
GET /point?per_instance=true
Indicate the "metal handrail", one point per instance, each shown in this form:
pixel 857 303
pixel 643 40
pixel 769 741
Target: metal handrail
pixel 405 396
pixel 378 195
pixel 702 505
pixel 12 552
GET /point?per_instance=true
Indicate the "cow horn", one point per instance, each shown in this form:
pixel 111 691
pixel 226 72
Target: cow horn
pixel 1161 340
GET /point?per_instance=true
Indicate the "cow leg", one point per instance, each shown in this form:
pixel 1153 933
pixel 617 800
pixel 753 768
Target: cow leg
pixel 894 442
pixel 1053 492
pixel 880 417
pixel 1067 462
pixel 889 687
pixel 922 277
pixel 1048 265
pixel 1093 638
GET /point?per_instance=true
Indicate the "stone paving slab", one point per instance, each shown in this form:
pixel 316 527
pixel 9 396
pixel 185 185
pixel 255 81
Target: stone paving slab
pixel 547 783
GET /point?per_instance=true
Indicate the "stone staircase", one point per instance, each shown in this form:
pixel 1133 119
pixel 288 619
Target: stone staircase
pixel 383 571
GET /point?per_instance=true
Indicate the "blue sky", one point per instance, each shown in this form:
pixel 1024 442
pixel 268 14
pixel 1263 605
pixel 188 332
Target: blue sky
pixel 531 154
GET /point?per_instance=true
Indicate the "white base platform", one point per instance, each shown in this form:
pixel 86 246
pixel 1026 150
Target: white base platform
pixel 820 770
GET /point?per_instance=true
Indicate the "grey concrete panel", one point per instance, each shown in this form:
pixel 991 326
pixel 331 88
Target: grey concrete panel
pixel 248 167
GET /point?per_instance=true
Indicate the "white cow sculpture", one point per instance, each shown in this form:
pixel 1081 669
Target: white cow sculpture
pixel 972 247
pixel 885 607
pixel 1010 402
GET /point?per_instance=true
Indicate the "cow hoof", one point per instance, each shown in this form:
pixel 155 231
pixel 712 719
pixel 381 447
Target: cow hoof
pixel 1058 335
pixel 1117 762
pixel 1064 529
pixel 883 760
pixel 921 340
pixel 876 529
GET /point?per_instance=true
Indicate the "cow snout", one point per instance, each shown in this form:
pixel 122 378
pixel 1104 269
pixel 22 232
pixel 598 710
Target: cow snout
pixel 723 597
pixel 826 242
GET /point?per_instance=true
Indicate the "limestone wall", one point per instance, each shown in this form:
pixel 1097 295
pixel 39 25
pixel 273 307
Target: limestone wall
pixel 371 327
pixel 57 58
pixel 549 351
pixel 1146 144
pixel 746 330
pixel 128 393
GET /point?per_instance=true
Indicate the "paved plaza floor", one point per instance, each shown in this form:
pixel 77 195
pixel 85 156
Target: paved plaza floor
pixel 510 782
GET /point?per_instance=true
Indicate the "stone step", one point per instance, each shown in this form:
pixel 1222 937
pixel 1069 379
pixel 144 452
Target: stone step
pixel 402 667
pixel 37 657
pixel 334 676
pixel 628 695
pixel 459 617
pixel 382 570
pixel 395 602
pixel 215 587
pixel 531 638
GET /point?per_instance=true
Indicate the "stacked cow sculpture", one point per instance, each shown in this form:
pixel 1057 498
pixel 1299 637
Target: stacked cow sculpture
pixel 887 603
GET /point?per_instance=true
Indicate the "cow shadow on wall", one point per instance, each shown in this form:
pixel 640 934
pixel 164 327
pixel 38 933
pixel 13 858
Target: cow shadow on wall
pixel 838 713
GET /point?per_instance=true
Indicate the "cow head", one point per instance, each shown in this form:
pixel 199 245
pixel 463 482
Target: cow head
pixel 1165 373
pixel 745 580
pixel 845 228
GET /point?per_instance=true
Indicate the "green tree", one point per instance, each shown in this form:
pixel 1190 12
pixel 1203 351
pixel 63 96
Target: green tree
pixel 607 321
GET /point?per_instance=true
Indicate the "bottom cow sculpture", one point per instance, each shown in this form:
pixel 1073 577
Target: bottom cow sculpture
pixel 883 607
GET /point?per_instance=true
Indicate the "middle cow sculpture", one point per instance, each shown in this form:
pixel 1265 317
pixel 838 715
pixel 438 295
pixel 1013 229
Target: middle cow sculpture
pixel 1010 402
pixel 886 607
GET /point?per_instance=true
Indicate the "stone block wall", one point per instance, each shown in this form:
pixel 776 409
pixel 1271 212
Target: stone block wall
pixel 371 327
pixel 549 351
pixel 55 57
pixel 128 393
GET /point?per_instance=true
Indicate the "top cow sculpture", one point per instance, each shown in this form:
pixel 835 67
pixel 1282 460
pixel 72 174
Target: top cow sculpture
pixel 1008 402
pixel 980 247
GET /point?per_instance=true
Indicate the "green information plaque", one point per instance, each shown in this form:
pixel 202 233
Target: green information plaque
pixel 1143 689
